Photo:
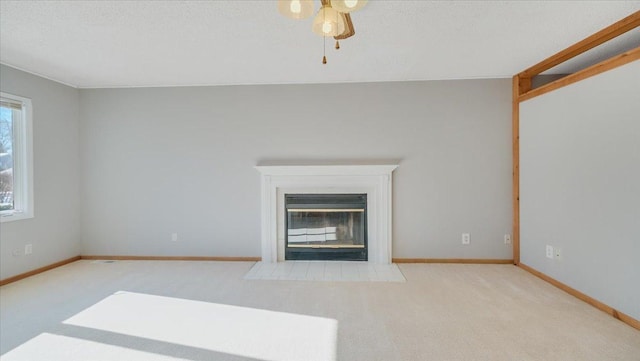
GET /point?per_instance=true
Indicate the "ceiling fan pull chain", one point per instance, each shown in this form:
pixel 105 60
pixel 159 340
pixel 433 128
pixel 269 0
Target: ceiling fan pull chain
pixel 324 50
pixel 337 44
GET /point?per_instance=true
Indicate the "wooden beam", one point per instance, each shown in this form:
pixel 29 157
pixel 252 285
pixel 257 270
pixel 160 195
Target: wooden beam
pixel 524 85
pixel 629 23
pixel 612 63
pixel 517 89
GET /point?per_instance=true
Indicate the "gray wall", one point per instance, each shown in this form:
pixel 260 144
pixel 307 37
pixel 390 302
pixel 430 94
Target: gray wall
pixel 55 229
pixel 163 160
pixel 580 185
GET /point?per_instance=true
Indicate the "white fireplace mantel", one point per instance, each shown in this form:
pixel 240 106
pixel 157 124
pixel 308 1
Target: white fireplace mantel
pixel 374 180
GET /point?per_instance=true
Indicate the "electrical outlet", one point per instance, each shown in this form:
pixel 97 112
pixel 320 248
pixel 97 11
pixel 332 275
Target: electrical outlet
pixel 466 238
pixel 507 239
pixel 28 249
pixel 174 237
pixel 16 253
pixel 549 251
pixel 558 253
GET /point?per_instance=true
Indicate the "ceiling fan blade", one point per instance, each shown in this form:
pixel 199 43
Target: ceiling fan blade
pixel 349 30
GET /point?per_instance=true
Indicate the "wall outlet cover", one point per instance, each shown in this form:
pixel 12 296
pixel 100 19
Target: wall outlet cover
pixel 507 239
pixel 549 252
pixel 466 238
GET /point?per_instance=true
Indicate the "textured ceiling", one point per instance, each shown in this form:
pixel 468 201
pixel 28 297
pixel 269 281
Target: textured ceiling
pixel 166 43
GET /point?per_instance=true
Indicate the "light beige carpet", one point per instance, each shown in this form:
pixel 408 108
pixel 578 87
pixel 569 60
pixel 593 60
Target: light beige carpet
pixel 170 310
pixel 325 271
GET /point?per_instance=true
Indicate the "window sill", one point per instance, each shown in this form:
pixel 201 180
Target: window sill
pixel 17 216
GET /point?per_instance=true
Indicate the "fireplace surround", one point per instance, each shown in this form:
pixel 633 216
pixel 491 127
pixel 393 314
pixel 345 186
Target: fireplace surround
pixel 374 181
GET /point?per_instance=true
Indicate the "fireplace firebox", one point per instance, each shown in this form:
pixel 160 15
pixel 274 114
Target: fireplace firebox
pixel 326 227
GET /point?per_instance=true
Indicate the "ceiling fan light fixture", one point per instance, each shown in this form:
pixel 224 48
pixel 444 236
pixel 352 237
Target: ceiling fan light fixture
pixel 296 9
pixel 328 22
pixel 347 6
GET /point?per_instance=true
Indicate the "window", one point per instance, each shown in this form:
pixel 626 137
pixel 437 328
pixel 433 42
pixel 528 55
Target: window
pixel 16 161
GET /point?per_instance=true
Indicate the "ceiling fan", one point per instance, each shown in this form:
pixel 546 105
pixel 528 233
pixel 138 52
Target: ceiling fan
pixel 332 20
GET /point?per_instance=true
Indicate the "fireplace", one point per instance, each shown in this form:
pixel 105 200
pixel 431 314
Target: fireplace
pixel 279 181
pixel 326 227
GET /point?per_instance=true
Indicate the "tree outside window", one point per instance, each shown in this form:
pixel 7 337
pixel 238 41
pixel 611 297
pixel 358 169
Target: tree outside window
pixel 6 159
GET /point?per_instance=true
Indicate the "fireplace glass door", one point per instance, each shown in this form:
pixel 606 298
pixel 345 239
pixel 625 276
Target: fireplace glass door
pixel 326 227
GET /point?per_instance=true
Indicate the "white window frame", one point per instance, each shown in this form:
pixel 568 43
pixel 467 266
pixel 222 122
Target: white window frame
pixel 22 162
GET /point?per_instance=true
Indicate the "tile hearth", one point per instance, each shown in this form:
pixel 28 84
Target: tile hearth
pixel 336 271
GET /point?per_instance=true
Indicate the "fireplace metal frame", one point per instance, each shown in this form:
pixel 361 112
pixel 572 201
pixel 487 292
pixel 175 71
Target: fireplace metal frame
pixel 341 202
